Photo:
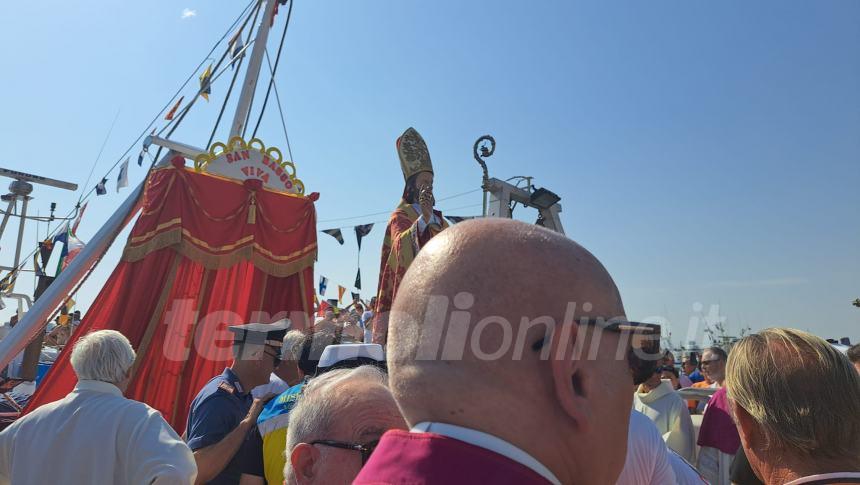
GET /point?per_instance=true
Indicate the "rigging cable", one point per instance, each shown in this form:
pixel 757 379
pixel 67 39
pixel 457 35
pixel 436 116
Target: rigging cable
pixel 99 156
pixel 281 111
pixel 238 67
pixel 273 70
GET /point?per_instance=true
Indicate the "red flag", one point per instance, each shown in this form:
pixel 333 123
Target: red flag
pixel 322 308
pixel 78 219
pixel 173 109
pixel 340 291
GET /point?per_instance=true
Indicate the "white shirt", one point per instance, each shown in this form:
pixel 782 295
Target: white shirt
pixel 669 412
pixel 685 474
pixel 94 435
pixel 275 386
pixel 647 461
pixel 487 442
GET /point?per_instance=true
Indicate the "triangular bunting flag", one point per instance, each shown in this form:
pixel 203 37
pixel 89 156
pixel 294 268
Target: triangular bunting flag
pixel 140 157
pixel 323 306
pixel 236 45
pixel 361 231
pixel 205 87
pixel 335 233
pixel 100 188
pixel 172 112
pixel 355 296
pixel 122 178
pixel 358 279
pixel 323 285
pixel 340 291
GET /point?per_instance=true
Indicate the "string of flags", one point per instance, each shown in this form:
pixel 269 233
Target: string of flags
pixel 361 231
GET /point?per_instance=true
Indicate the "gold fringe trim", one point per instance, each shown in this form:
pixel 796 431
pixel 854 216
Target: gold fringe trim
pixel 184 244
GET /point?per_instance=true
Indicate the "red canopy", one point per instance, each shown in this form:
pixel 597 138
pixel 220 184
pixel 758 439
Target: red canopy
pixel 205 253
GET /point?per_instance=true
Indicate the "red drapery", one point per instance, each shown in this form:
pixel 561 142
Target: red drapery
pixel 206 252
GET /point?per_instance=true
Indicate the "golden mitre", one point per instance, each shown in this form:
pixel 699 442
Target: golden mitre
pixel 414 156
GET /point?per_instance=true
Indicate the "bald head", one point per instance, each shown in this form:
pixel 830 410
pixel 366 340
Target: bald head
pixel 483 334
pixel 496 268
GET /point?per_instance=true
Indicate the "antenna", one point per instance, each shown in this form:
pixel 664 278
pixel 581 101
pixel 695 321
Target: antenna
pixel 36 179
pixel 20 189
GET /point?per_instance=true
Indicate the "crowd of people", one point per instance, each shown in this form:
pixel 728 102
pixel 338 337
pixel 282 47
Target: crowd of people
pixel 481 381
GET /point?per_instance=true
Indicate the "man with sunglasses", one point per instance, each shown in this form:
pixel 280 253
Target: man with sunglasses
pixel 511 359
pixel 224 410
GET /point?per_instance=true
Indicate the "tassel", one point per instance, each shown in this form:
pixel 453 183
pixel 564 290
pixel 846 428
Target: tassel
pixel 252 211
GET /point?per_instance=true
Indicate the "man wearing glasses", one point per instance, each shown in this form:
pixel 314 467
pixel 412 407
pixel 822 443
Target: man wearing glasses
pixel 511 360
pixel 336 425
pixel 224 410
pixel 714 365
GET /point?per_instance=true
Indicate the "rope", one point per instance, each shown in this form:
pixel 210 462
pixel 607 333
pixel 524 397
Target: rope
pixel 99 156
pixel 273 70
pixel 283 123
pixel 388 211
pixel 238 67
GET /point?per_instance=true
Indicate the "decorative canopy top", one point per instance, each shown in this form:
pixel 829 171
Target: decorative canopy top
pixel 251 161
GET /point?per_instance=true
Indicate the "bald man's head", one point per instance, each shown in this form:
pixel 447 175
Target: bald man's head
pixel 475 318
pixel 500 268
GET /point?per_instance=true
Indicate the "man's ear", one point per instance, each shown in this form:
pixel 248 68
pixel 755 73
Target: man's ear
pixel 748 429
pixel 304 459
pixel 567 372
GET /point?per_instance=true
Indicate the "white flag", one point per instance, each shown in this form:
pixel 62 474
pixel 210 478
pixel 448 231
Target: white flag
pixel 122 179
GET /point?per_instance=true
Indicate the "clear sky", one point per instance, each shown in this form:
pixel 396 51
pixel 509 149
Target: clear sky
pixel 707 152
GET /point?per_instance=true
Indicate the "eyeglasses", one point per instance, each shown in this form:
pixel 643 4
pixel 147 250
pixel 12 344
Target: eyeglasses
pixel 649 345
pixel 644 353
pixel 660 370
pixel 365 449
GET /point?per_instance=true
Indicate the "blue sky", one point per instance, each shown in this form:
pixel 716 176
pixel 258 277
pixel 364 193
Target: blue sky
pixel 707 152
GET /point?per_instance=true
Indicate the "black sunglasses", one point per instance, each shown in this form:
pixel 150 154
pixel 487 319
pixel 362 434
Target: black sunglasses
pixel 365 450
pixel 644 354
pixel 649 345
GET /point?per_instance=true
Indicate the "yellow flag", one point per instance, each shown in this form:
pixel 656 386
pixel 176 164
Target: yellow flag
pixel 70 304
pixel 340 291
pixel 205 87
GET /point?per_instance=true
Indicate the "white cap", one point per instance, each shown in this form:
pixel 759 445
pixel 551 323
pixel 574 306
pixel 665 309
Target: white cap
pixel 334 354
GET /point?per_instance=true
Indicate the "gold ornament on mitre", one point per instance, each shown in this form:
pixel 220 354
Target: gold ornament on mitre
pixel 414 156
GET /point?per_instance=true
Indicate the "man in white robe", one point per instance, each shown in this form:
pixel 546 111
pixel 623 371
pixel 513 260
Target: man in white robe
pixel 94 434
pixel 657 400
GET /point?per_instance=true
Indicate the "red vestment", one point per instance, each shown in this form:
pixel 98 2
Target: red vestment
pixel 403 240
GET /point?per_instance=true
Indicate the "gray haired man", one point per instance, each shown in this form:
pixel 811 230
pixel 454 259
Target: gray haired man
pixel 94 434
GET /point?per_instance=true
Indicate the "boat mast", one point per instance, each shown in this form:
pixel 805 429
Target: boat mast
pixel 249 87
